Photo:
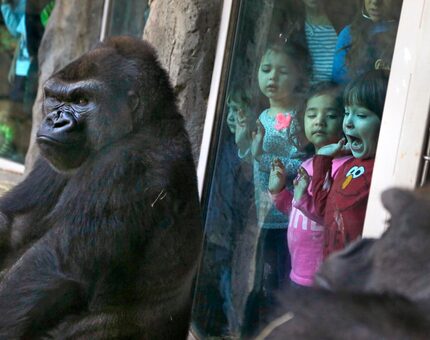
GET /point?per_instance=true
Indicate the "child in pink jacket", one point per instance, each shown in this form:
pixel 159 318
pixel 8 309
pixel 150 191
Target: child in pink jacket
pixel 322 122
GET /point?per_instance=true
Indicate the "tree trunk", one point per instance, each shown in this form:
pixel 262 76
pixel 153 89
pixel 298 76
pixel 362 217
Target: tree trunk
pixel 185 34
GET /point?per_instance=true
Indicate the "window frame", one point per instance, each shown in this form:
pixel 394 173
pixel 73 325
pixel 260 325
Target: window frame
pixel 406 109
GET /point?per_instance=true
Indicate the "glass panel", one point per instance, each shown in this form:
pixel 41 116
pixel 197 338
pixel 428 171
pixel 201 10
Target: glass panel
pixel 295 150
pixel 21 28
pixel 128 17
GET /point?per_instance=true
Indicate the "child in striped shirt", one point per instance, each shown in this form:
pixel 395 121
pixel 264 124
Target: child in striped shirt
pixel 321 38
pixel 322 120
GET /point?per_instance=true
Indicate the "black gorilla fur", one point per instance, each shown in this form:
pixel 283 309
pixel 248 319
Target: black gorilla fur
pixel 102 239
pixel 374 288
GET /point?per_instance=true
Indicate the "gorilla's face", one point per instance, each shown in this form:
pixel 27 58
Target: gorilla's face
pixel 84 114
pixel 62 134
pixel 397 262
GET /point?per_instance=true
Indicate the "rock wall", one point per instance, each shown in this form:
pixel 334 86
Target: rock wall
pixel 185 34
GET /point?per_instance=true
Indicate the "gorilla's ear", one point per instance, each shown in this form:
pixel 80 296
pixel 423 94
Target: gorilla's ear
pixel 133 100
pixel 396 200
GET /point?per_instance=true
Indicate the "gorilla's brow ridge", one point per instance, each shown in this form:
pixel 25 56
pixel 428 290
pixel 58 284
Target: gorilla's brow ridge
pixel 60 88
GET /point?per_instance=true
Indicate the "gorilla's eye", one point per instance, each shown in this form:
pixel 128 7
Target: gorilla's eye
pixel 53 101
pixel 82 101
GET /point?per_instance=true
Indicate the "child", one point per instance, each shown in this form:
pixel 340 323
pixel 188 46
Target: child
pixel 282 74
pixel 322 120
pixel 342 200
pixel 369 40
pixel 241 118
pixel 321 39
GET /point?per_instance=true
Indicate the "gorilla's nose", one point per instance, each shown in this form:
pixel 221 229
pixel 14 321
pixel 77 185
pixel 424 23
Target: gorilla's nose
pixel 61 121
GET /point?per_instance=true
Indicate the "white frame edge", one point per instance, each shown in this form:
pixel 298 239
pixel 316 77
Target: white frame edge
pixel 106 10
pixel 405 115
pixel 213 94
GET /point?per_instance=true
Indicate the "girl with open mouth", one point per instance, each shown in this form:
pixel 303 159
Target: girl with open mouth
pixel 342 201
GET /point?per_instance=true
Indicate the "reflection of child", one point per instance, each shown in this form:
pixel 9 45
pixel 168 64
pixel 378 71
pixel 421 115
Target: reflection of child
pixel 342 200
pixel 322 120
pixel 282 74
pixel 14 18
pixel 368 40
pixel 240 119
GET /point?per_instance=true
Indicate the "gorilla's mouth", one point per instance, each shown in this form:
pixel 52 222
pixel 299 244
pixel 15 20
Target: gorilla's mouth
pixel 54 142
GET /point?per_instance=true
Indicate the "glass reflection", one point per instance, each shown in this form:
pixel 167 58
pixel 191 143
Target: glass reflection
pixel 295 152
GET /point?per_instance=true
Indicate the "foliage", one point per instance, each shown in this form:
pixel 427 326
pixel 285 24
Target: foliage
pixel 7 42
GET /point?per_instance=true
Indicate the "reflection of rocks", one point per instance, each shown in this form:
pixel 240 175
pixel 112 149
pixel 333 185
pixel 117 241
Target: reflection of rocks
pixel 5 61
pixel 185 34
pixel 243 266
pixel 15 127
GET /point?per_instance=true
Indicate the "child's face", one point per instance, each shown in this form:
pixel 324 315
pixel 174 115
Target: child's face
pixel 378 9
pixel 233 108
pixel 277 76
pixel 361 128
pixel 311 4
pixel 322 120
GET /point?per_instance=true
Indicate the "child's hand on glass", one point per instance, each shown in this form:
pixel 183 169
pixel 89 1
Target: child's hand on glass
pixel 257 141
pixel 340 148
pixel 241 118
pixel 301 183
pixel 277 177
pixel 242 132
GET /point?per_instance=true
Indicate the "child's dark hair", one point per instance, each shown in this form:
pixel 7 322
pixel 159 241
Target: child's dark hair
pixel 327 87
pixel 319 89
pixel 368 90
pixel 240 95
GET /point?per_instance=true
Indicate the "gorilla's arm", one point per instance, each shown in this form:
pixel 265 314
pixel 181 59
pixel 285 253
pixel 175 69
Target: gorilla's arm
pixel 35 195
pixel 99 235
pixel 39 191
pixel 35 294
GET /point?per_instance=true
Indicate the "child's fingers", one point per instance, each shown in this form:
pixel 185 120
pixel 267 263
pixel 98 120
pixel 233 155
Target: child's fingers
pixel 241 118
pixel 302 177
pixel 277 162
pixel 346 148
pixel 278 171
pixel 262 129
pixel 241 114
pixel 303 172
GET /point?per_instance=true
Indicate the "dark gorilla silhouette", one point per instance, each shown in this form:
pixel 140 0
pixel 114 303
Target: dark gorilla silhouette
pixel 375 288
pixel 101 240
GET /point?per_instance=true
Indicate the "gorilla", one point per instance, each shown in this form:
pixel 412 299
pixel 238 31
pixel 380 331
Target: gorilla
pixel 373 289
pixel 102 239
